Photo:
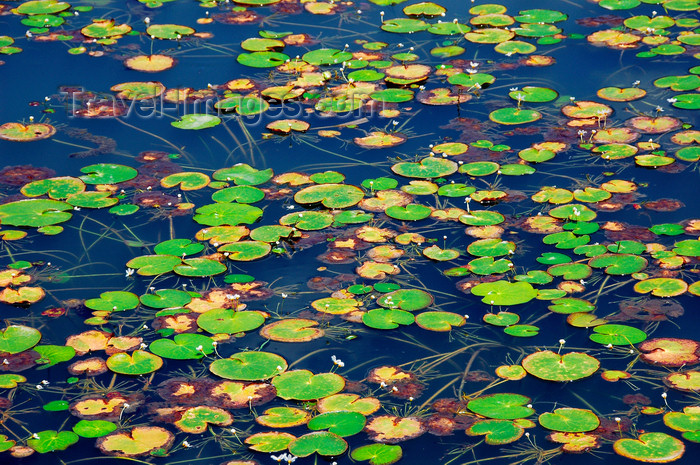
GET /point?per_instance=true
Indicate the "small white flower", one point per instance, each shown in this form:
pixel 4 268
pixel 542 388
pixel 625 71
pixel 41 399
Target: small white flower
pixel 143 346
pixel 129 272
pixel 618 419
pixel 659 109
pixel 186 444
pixel 664 395
pixel 562 342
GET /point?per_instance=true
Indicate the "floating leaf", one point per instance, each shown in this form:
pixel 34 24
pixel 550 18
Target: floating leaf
pixel 569 420
pixel 304 385
pixel 552 366
pixel 501 406
pixel 650 448
pixel 249 366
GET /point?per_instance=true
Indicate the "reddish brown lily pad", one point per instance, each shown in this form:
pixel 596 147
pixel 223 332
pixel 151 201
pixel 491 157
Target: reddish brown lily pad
pixel 389 429
pixel 651 125
pixel 670 352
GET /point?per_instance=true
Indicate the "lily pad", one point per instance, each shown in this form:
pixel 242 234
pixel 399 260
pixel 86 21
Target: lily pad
pixel 304 385
pixel 552 366
pixel 249 366
pixel 650 448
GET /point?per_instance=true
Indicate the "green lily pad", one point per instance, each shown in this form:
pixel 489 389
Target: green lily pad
pixel 113 301
pixel 106 173
pixel 11 380
pixel 501 318
pixel 411 212
pixel 166 298
pixel 283 417
pixel 93 428
pixel 621 264
pixel 440 321
pixel 56 406
pixel 688 248
pixel 304 385
pixel 552 366
pixel 196 420
pixel 504 292
pixel 650 448
pixel 137 363
pixel 501 406
pixel 570 271
pixel 183 347
pixel 152 265
pixel 199 267
pixel 34 212
pixel 196 121
pixel 51 441
pixel 246 251
pixel 496 432
pixel 570 420
pixel 330 195
pixel 387 318
pixel 378 454
pixel 229 321
pixel 569 305
pixel 227 214
pixel 292 330
pixel 522 330
pixel 249 366
pixel 487 265
pixel 56 188
pixel 18 338
pixel 482 218
pixel 662 287
pixel 326 56
pixel 404 25
pixel 52 355
pixel 169 31
pixel 243 174
pixel 479 168
pixel 262 59
pixel 268 442
pixel 617 335
pixel 104 28
pixel 341 423
pixel 406 299
pixel 491 248
pixel 430 167
pixel 511 116
pixel 322 442
pixel 42 7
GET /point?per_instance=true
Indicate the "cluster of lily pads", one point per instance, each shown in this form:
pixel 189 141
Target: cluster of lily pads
pixel 198 350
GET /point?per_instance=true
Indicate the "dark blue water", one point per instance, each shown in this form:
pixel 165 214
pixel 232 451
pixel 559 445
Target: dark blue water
pixel 89 256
